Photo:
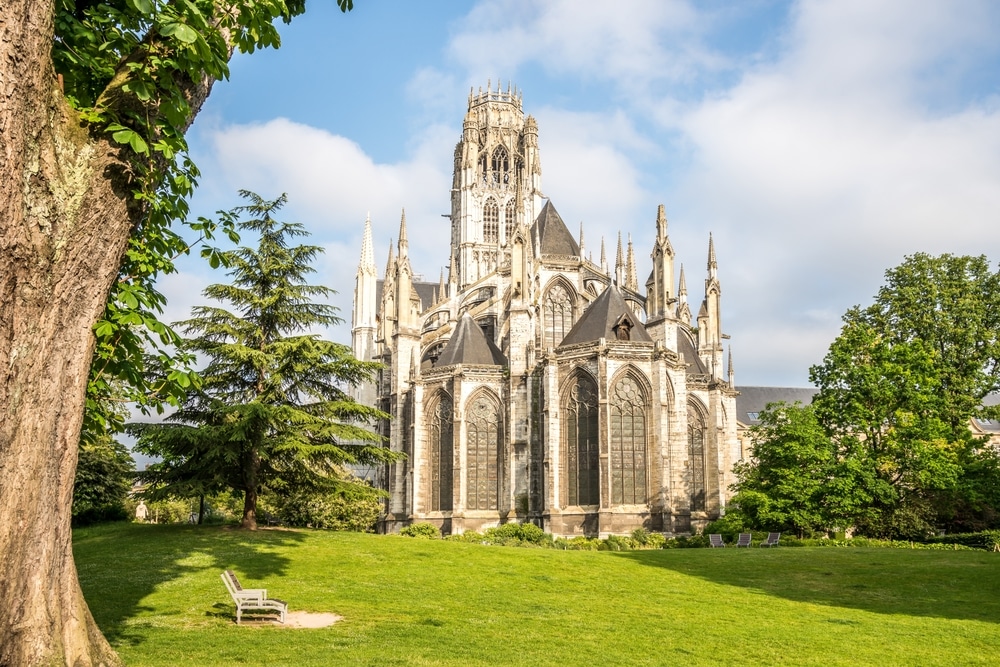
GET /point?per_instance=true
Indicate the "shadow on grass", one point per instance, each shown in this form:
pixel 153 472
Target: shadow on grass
pixel 946 584
pixel 119 565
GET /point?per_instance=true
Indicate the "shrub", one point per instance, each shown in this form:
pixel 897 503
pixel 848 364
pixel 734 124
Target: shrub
pixel 647 540
pixel 988 540
pixel 421 530
pixel 577 543
pixel 618 543
pixel 470 536
pixel 354 508
pixel 516 534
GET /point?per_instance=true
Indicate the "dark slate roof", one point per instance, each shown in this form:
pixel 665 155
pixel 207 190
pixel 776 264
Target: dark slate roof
pixel 424 290
pixel 689 349
pixel 753 400
pixel 470 346
pixel 601 316
pixel 990 425
pixel 553 235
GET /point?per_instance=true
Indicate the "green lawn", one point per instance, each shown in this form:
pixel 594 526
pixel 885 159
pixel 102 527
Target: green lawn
pixel 156 593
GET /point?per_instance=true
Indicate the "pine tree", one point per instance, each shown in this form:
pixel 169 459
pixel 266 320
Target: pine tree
pixel 271 405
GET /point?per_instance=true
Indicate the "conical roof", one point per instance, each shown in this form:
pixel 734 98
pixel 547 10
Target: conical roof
pixel 470 346
pixel 602 318
pixel 553 234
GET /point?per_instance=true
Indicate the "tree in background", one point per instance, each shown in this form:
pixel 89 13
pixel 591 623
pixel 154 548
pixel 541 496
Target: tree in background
pixel 97 98
pixel 104 475
pixel 271 405
pixel 897 390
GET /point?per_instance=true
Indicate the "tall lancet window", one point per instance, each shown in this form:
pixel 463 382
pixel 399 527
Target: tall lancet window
pixel 500 165
pixel 508 221
pixel 696 458
pixel 581 443
pixel 491 221
pixel 482 458
pixel 628 443
pixel 442 455
pixel 557 315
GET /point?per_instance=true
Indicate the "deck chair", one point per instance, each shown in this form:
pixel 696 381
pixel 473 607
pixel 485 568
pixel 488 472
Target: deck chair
pixel 744 540
pixel 252 599
pixel 772 540
pixel 715 540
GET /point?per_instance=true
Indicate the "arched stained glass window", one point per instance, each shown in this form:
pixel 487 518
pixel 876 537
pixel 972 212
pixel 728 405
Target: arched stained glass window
pixel 557 315
pixel 500 165
pixel 582 456
pixel 491 221
pixel 442 455
pixel 696 459
pixel 508 221
pixel 482 457
pixel 628 443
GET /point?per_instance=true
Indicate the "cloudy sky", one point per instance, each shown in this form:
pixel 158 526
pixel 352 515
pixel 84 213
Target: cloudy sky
pixel 819 142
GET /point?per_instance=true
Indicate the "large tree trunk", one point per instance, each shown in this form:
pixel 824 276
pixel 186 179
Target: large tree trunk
pixel 64 224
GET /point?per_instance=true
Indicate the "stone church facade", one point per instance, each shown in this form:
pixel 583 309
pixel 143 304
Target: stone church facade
pixel 531 383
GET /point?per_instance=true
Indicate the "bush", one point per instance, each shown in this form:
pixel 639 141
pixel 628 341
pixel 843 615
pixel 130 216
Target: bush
pixel 469 536
pixel 516 534
pixel 421 530
pixel 577 543
pixel 988 540
pixel 618 543
pixel 355 508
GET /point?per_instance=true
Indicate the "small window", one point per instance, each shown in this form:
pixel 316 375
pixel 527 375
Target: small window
pixel 754 416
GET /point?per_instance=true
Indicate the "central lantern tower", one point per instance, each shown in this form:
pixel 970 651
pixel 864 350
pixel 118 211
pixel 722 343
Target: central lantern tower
pixel 497 182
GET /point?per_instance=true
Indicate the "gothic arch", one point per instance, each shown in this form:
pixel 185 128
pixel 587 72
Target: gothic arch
pixel 697 428
pixel 579 410
pixel 491 221
pixel 441 436
pixel 500 165
pixel 629 429
pixel 483 430
pixel 558 311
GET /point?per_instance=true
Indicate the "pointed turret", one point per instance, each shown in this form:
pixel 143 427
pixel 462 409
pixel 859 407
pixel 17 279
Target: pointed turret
pixel 731 375
pixel 442 290
pixel 683 309
pixel 404 245
pixel 583 252
pixel 620 264
pixel 660 298
pixel 710 331
pixel 631 279
pixel 364 320
pixel 604 259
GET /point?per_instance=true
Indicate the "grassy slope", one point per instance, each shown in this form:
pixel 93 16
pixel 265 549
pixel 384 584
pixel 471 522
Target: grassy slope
pixel 156 593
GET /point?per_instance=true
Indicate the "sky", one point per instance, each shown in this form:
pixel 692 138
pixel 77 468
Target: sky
pixel 820 143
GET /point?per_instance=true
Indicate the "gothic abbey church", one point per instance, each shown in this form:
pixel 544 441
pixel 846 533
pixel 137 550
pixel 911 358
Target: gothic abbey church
pixel 533 384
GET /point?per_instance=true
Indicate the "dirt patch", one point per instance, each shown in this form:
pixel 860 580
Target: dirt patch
pixel 305 619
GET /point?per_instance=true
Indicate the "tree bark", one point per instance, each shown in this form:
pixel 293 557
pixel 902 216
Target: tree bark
pixel 64 224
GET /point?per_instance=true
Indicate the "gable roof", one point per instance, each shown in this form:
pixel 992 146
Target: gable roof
pixel 601 317
pixel 553 234
pixel 752 400
pixel 470 346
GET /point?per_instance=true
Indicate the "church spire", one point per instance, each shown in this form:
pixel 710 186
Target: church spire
pixel 442 290
pixel 732 381
pixel 713 266
pixel 583 254
pixel 619 264
pixel 604 258
pixel 367 262
pixel 631 278
pixel 683 309
pixel 390 262
pixel 661 223
pixel 404 245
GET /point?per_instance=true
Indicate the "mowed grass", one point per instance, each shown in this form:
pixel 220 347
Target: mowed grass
pixel 156 593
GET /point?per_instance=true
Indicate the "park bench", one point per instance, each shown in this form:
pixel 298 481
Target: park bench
pixel 744 540
pixel 253 599
pixel 715 540
pixel 772 540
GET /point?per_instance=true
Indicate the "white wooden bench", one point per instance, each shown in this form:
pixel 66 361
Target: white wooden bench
pixel 253 599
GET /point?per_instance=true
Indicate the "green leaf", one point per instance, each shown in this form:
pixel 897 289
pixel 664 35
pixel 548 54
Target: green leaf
pixel 142 6
pixel 185 33
pixel 123 136
pixel 138 144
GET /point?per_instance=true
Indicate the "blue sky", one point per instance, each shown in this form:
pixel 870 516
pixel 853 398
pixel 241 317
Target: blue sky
pixel 819 142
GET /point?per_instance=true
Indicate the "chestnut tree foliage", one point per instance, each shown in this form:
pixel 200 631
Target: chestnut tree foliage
pixel 886 446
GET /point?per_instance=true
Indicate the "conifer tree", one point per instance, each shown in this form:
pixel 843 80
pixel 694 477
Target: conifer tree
pixel 271 404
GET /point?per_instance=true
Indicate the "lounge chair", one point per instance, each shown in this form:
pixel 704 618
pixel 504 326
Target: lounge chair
pixel 715 540
pixel 251 599
pixel 772 540
pixel 744 540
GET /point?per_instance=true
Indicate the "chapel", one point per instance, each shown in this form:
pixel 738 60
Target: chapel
pixel 531 383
